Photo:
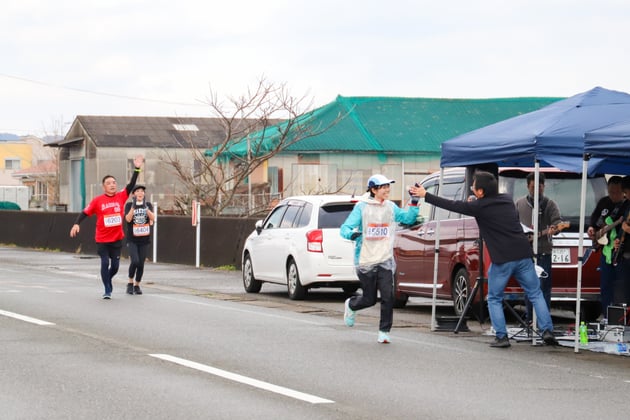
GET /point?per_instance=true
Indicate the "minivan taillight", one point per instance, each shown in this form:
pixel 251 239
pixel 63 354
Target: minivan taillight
pixel 314 239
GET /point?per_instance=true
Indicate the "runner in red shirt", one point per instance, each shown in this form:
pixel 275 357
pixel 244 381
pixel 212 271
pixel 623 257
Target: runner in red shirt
pixel 108 209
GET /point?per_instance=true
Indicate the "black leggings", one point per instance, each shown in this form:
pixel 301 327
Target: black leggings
pixel 378 279
pixel 137 255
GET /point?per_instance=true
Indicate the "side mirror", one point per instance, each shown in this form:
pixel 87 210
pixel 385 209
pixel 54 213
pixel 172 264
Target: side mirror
pixel 259 226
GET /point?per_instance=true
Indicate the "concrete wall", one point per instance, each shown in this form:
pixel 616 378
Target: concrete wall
pixel 221 240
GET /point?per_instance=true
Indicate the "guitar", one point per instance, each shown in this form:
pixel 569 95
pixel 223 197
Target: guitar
pixel 600 235
pixel 558 227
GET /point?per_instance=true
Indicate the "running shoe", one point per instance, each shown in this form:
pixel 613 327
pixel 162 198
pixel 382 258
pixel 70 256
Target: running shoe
pixel 348 314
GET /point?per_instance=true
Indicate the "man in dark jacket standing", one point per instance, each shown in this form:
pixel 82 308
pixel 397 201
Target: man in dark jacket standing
pixel 509 250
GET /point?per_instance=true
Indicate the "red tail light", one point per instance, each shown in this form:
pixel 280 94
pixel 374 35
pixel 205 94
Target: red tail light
pixel 314 239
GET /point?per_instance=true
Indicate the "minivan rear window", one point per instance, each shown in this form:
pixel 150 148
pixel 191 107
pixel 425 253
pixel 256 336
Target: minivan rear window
pixel 562 187
pixel 333 216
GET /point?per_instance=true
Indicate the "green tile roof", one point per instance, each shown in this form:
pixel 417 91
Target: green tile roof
pixel 399 125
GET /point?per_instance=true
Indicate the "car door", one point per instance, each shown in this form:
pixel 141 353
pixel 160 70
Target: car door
pixel 412 248
pixel 451 237
pixel 338 252
pixel 263 250
pixel 284 241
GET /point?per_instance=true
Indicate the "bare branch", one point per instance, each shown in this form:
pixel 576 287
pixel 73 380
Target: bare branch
pixel 261 123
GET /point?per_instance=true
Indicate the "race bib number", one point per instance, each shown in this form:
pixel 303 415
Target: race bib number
pixel 112 220
pixel 141 230
pixel 377 231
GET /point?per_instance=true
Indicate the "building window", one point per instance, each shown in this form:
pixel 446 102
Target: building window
pixel 12 164
pixel 185 127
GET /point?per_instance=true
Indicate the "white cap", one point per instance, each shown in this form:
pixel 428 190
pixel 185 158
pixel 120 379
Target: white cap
pixel 378 180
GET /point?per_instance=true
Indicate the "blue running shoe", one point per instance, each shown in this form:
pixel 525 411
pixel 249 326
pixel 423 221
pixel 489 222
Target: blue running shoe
pixel 348 314
pixel 383 337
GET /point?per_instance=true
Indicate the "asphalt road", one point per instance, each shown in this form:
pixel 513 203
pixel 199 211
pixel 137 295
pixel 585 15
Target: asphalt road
pixel 195 346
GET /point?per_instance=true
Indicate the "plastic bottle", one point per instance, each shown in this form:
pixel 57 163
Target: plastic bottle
pixel 583 334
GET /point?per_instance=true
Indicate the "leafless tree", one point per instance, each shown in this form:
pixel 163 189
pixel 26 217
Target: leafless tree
pixel 260 124
pixel 43 175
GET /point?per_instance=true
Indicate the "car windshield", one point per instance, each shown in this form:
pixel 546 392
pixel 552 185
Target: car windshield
pixel 332 216
pixel 562 187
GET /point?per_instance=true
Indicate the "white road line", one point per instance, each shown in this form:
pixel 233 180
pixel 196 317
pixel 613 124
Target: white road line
pixel 25 318
pixel 244 379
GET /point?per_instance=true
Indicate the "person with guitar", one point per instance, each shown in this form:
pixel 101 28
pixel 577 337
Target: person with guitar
pixel 609 211
pixel 621 254
pixel 549 223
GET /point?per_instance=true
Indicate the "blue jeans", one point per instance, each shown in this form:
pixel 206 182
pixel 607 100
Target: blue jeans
pixel 543 260
pixel 524 272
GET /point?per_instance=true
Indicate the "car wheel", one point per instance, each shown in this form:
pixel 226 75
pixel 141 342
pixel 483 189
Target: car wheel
pixel 295 288
pixel 350 289
pixel 400 299
pixel 460 290
pixel 250 283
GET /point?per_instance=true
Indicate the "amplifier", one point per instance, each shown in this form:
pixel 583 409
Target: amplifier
pixel 615 334
pixel 618 315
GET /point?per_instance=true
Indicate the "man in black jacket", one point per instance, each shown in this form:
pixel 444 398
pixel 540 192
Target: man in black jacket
pixel 509 250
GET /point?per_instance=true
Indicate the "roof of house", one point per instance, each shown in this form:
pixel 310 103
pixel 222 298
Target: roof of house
pixel 163 132
pixel 43 168
pixel 400 125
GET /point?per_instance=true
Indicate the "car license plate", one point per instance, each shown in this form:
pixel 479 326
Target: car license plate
pixel 560 256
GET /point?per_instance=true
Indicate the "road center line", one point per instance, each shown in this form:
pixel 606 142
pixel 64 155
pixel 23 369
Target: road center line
pixel 25 318
pixel 243 379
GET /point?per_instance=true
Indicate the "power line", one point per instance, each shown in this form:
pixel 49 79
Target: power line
pixel 92 92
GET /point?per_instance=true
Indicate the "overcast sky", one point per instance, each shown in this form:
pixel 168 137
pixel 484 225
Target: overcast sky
pixel 66 58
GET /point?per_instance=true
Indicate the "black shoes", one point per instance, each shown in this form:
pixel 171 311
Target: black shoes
pixel 549 338
pixel 504 342
pixel 501 343
pixel 133 290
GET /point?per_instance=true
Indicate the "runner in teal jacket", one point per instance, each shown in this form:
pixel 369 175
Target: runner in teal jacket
pixel 372 224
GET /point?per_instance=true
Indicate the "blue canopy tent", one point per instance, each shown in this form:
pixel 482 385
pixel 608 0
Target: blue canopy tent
pixel 551 136
pixel 609 148
pixel 609 140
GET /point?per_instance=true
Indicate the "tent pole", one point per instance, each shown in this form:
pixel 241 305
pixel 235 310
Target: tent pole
pixel 536 227
pixel 436 255
pixel 578 294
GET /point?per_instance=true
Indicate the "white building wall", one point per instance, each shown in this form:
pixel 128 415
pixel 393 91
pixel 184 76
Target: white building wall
pixel 348 173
